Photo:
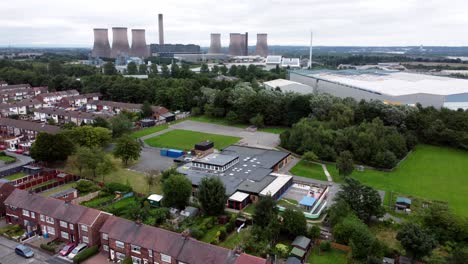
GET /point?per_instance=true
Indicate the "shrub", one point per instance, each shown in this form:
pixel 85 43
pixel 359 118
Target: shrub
pixel 127 260
pixel 48 248
pixel 197 233
pixel 84 187
pixel 86 254
pixel 113 187
pixel 325 246
pixel 282 250
pixel 222 234
pixel 229 227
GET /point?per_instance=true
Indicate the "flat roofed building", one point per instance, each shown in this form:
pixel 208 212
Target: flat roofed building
pixel 388 86
pixel 216 162
pixel 289 86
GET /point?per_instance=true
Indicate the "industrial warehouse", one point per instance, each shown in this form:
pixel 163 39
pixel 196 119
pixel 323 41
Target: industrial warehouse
pixel 392 87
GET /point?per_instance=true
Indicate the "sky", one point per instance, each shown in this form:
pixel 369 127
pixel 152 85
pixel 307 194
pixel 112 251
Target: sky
pixel 287 22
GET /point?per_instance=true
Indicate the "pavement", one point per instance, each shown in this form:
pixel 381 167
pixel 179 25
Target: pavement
pixel 150 159
pixel 21 160
pixel 8 255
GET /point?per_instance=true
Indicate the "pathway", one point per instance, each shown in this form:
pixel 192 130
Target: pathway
pixel 21 160
pixel 325 170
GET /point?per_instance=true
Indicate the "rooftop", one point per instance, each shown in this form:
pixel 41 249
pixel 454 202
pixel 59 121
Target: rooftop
pixel 307 201
pixel 27 125
pixel 301 242
pixel 289 86
pixel 393 83
pixel 217 159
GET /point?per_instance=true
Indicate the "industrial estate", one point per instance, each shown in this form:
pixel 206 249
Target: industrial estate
pixel 176 153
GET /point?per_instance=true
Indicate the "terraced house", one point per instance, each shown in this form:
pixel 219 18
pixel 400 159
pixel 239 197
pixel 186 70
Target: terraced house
pixel 55 218
pixel 121 238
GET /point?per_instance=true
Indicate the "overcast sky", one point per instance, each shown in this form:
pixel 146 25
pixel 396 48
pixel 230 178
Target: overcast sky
pixel 288 22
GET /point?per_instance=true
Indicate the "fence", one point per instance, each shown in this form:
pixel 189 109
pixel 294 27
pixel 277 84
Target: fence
pixel 85 198
pixel 44 180
pixel 335 245
pixel 11 171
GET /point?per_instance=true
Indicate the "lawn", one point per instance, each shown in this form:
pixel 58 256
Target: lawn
pixel 93 203
pixel 185 139
pixel 15 176
pixel 429 172
pixel 250 209
pixel 147 131
pixel 7 158
pixel 309 170
pixel 235 239
pixel 59 189
pixel 225 122
pixel 334 256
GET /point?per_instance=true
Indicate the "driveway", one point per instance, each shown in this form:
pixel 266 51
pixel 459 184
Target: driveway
pixel 255 139
pixel 8 255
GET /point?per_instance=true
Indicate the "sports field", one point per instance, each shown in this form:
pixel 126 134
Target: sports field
pixel 185 139
pixel 309 170
pixel 430 172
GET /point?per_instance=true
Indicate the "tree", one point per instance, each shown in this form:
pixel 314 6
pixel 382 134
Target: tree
pixel 121 125
pixel 232 117
pixel 89 136
pixel 309 156
pixel 204 69
pixel 344 163
pixel 165 71
pixel 101 122
pixel 460 255
pixel 212 196
pixel 55 68
pixel 416 242
pixel 142 69
pixel 154 68
pixel 51 148
pixel 177 190
pixel 294 222
pixel 363 200
pixel 265 211
pixel 109 69
pixel 79 159
pixel 282 250
pixel 132 68
pixel 95 160
pixel 151 177
pixel 127 149
pixel 146 110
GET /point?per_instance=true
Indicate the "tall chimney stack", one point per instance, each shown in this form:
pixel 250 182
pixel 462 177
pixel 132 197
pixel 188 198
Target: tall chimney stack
pixel 161 30
pixel 246 51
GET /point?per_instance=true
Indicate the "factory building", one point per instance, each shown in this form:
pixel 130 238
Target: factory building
pixel 392 87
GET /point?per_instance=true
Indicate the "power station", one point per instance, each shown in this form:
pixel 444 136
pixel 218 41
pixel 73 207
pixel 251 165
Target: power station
pixel 119 42
pixel 215 44
pixel 261 48
pixel 139 47
pixel 101 47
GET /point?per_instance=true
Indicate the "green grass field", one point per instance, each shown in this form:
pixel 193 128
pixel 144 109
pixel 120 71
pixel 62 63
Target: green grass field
pixel 59 189
pixel 334 256
pixel 147 131
pixel 309 170
pixel 185 139
pixel 429 172
pixel 15 176
pixel 7 158
pixel 224 122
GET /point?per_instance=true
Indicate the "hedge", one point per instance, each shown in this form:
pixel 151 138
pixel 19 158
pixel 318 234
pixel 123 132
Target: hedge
pixel 48 248
pixel 86 254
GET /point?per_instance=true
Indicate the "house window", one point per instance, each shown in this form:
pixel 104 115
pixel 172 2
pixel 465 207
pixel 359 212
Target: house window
pixel 136 249
pixel 166 258
pixel 119 244
pixel 105 236
pixel 84 228
pixel 71 226
pixel 51 230
pixel 63 224
pixel 145 261
pixel 25 212
pixel 136 260
pixel 85 239
pixel 33 215
pixel 49 220
pixel 105 247
pixel 150 253
pixel 119 255
pixel 42 217
pixel 64 235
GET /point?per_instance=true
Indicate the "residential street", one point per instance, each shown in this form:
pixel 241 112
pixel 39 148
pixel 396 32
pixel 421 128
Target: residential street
pixel 8 255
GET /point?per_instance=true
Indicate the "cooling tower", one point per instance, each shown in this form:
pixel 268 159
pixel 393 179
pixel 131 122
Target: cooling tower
pixel 119 41
pixel 139 47
pixel 161 30
pixel 101 47
pixel 262 45
pixel 215 44
pixel 235 44
pixel 242 45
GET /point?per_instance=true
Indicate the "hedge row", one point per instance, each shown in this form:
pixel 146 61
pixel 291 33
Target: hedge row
pixel 86 254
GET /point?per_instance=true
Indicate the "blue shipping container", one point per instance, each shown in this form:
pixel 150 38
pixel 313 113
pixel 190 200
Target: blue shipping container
pixel 174 153
pixel 163 152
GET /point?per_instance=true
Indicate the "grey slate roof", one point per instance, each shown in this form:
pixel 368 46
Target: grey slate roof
pixel 301 242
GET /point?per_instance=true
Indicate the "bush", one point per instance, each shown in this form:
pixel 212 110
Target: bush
pixel 48 248
pixel 325 246
pixel 113 187
pixel 127 260
pixel 229 227
pixel 197 232
pixel 86 254
pixel 222 234
pixel 84 187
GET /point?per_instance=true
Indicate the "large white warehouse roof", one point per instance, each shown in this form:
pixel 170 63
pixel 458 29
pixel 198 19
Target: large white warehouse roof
pixel 392 82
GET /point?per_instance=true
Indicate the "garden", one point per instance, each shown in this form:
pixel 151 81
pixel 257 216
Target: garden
pixel 185 139
pixel 7 159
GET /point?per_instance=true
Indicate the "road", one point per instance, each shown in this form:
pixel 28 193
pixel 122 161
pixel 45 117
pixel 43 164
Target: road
pixel 8 255
pixel 20 161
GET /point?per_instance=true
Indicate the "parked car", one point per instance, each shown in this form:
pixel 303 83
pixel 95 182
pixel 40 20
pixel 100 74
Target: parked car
pixel 77 250
pixel 24 251
pixel 67 249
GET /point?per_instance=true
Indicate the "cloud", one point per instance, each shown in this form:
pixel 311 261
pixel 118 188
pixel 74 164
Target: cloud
pixel 288 22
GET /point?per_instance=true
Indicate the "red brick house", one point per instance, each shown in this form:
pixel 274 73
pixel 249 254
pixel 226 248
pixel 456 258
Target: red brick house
pixel 56 218
pixel 144 244
pixel 5 190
